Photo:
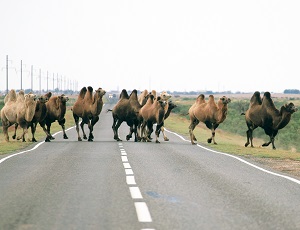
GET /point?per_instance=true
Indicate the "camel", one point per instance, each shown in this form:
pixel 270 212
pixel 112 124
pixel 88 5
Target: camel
pixel 212 114
pixel 127 110
pixel 39 115
pixel 152 112
pixel 170 106
pixel 263 113
pixel 56 110
pixel 142 96
pixel 18 109
pixel 88 106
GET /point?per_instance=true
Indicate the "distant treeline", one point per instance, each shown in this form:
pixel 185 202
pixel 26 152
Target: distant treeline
pixel 291 91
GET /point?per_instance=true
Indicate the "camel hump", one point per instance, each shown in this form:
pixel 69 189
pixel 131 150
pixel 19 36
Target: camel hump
pixel 133 94
pixel 211 99
pixel 90 89
pixel 200 99
pixel 267 100
pixel 256 99
pixel 82 92
pixel 11 96
pixel 124 94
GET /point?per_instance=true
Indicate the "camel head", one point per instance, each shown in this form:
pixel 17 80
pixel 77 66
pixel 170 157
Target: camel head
pixel 165 96
pixel 63 98
pixel 291 108
pixel 225 100
pixel 100 92
pixel 30 99
pixel 43 99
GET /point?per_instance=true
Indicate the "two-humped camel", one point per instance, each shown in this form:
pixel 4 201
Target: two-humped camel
pixel 263 113
pixel 152 112
pixel 39 115
pixel 56 110
pixel 88 106
pixel 212 114
pixel 127 110
pixel 18 109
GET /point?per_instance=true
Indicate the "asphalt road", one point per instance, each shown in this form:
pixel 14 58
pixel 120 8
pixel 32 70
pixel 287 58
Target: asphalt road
pixel 105 184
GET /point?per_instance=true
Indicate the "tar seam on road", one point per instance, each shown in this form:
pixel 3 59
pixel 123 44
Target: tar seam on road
pixel 141 207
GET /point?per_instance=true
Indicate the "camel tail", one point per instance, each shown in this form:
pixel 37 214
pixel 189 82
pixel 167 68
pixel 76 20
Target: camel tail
pixel 108 110
pixel 243 113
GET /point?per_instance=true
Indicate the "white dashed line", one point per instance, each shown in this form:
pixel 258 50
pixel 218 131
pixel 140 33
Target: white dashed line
pixel 130 180
pixel 135 193
pixel 126 165
pixel 124 158
pixel 128 171
pixel 141 208
pixel 142 212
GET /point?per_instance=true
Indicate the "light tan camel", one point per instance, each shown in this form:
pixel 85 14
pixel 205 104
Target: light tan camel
pixel 18 109
pixel 210 113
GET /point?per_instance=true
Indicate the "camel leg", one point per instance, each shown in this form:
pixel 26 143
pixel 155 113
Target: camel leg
pixel 91 127
pixel 76 119
pixel 82 128
pixel 15 133
pixel 48 136
pixel 115 128
pixel 213 128
pixel 5 126
pixel 193 124
pixel 33 129
pixel 163 131
pixel 62 124
pixel 157 131
pixel 250 135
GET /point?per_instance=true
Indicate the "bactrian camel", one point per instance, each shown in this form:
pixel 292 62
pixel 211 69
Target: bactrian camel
pixel 88 106
pixel 263 113
pixel 212 114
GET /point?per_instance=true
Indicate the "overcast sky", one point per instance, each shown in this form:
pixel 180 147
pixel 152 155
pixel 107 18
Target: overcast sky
pixel 171 45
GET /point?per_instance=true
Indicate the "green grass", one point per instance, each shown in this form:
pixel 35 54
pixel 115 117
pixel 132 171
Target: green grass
pixel 228 142
pixel 14 145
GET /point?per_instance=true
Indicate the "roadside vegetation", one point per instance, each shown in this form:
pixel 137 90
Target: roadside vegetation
pixel 231 134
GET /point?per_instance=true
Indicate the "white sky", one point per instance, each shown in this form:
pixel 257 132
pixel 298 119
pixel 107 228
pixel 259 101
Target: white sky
pixel 171 45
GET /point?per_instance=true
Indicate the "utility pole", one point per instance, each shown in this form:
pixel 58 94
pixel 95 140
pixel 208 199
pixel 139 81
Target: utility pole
pixel 6 74
pixel 47 80
pixel 21 75
pixel 31 78
pixel 40 82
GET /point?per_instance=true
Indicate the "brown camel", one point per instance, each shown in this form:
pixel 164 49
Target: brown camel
pixel 152 112
pixel 56 110
pixel 210 113
pixel 127 110
pixel 18 109
pixel 263 113
pixel 88 106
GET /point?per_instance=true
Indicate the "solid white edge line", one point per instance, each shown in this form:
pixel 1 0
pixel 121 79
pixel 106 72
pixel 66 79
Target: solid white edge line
pixel 241 160
pixel 142 211
pixel 29 150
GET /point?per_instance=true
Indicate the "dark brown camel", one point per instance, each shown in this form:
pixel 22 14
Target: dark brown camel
pixel 88 106
pixel 56 110
pixel 210 113
pixel 126 110
pixel 263 113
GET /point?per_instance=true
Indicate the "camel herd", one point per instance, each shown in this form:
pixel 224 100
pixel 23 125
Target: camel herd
pixel 140 112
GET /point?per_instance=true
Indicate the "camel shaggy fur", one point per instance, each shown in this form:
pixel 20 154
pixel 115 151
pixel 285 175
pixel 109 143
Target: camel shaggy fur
pixel 212 114
pixel 56 110
pixel 18 109
pixel 127 110
pixel 263 113
pixel 88 106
